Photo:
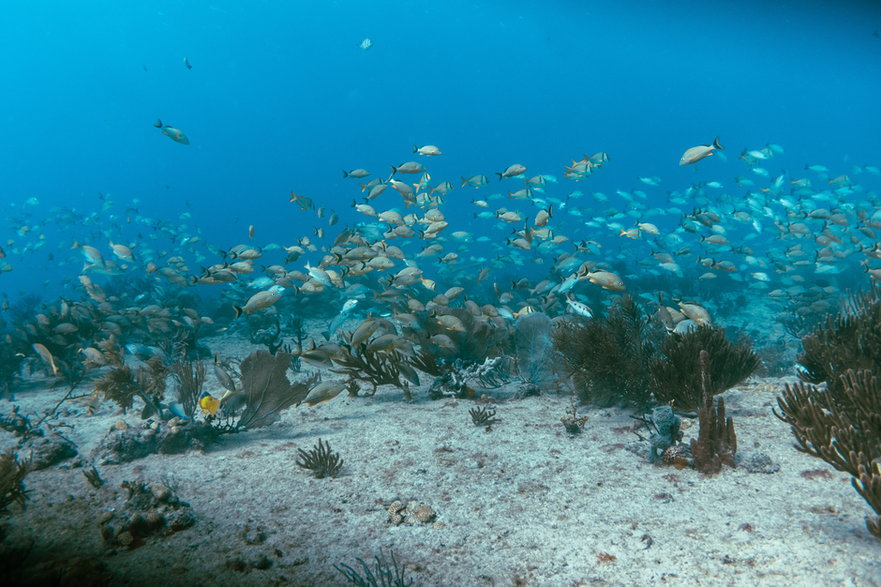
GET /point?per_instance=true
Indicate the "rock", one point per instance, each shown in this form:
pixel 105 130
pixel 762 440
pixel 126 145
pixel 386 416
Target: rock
pixel 48 450
pixel 394 513
pixel 757 462
pixel 64 572
pixel 128 444
pixel 148 511
pixel 124 445
pixel 424 514
pixel 412 513
pixel 125 538
pixel 160 492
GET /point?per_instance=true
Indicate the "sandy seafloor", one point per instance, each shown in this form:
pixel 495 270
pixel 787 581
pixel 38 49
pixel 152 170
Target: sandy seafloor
pixel 522 503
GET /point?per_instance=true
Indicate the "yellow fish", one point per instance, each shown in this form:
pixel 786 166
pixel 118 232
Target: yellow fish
pixel 209 403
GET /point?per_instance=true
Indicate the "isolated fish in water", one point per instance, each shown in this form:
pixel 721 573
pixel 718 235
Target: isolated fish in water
pixel 427 150
pixel 695 154
pixel 174 134
pixel 187 63
pixel 365 44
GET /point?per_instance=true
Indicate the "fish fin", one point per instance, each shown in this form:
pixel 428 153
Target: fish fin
pixel 158 123
pixel 345 173
pixel 717 144
pixel 238 310
pixel 501 175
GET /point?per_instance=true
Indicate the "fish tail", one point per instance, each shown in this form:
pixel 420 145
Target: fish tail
pixel 158 123
pixel 717 144
pixel 415 149
pixel 345 173
pixel 238 310
pixel 501 175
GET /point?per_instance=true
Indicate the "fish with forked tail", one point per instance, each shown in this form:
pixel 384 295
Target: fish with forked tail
pixel 174 134
pixel 695 154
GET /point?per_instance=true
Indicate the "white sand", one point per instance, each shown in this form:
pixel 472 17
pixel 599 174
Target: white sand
pixel 522 504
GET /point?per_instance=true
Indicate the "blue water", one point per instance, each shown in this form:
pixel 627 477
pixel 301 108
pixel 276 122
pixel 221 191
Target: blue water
pixel 280 97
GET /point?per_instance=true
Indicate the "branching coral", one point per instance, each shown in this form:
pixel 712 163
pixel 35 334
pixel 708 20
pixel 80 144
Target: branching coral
pixel 322 461
pixel 677 376
pixel 483 416
pixel 716 443
pixel 376 367
pixel 466 335
pixel 459 379
pixel 191 378
pixel 608 358
pixel 842 426
pixel 385 573
pixel 12 474
pixel 122 384
pixel 849 340
pixel 841 421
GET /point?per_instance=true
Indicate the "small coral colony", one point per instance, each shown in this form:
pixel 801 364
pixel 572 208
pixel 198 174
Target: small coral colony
pixel 651 310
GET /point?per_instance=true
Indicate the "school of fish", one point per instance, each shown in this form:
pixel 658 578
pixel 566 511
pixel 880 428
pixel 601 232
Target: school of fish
pixel 738 252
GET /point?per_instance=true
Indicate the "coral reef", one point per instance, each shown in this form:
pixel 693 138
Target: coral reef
pixel 12 474
pixel 93 477
pixel 124 443
pixel 465 336
pixel 841 421
pixel 148 511
pixel 48 449
pixel 413 512
pixel 716 444
pixel 850 339
pixel 190 376
pixel 11 358
pixel 483 416
pixel 666 433
pixel 572 422
pixel 608 358
pixel 373 366
pixel 534 349
pixel 459 380
pixel 266 391
pixel 322 461
pixel 841 424
pixel 122 384
pixel 676 375
pixel 386 572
